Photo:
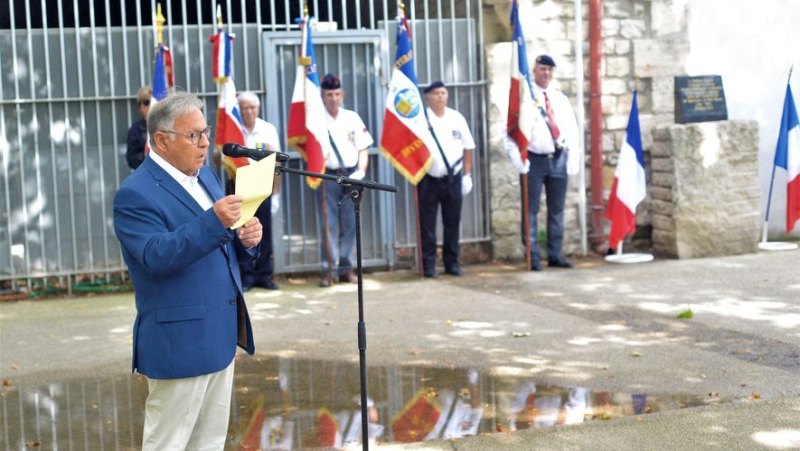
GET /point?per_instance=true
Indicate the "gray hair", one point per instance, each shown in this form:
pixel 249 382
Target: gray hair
pixel 163 114
pixel 249 96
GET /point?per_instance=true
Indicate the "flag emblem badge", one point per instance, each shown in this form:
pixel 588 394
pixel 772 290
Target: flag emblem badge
pixel 407 103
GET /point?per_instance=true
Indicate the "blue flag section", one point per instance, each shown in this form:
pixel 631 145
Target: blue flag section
pixel 787 156
pixel 160 81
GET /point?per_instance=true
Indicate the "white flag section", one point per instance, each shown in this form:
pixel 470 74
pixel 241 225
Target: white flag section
pixel 629 182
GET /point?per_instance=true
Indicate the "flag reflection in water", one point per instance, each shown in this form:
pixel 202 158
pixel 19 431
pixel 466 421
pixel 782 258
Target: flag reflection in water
pixel 297 404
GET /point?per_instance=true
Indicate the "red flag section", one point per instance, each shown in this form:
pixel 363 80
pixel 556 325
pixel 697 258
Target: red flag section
pixel 406 140
pixel 307 129
pixel 417 419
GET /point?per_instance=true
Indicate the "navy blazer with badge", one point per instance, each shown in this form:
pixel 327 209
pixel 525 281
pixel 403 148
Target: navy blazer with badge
pixel 184 265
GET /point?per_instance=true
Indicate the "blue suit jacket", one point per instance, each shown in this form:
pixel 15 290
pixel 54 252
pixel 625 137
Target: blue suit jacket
pixel 184 266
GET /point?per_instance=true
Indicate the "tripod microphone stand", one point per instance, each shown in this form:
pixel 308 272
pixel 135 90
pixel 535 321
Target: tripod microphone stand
pixel 356 194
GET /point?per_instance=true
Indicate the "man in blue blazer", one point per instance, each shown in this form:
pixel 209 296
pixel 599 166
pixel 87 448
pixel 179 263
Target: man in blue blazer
pixel 174 224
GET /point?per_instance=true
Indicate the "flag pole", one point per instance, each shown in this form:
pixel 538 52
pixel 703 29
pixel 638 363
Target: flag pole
pixel 526 212
pixel 769 203
pixel 402 12
pixel 305 61
pixel 772 182
pixel 419 232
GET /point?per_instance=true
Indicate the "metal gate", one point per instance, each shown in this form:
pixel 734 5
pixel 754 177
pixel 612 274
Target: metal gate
pixel 363 60
pixel 355 57
pixel 70 71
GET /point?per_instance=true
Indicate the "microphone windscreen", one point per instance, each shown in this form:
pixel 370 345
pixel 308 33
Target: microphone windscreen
pixel 231 150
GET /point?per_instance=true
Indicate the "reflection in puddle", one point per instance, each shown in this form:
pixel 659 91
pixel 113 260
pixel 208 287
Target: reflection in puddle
pixel 293 404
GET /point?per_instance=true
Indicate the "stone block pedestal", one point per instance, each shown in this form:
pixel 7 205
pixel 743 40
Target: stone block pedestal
pixel 704 189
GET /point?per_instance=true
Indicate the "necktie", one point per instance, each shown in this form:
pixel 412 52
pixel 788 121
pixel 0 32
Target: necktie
pixel 550 118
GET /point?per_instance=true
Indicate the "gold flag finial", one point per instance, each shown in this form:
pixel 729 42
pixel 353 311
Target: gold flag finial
pixel 160 20
pixel 219 16
pixel 402 8
pixel 305 9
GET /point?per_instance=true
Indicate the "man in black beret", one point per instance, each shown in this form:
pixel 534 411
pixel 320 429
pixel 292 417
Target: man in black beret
pixel 444 184
pixel 349 156
pixel 554 143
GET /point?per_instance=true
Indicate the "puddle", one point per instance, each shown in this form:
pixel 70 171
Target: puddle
pixel 299 404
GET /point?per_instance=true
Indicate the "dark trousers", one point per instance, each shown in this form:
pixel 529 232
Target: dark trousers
pixel 259 272
pixel 341 225
pixel 432 193
pixel 550 173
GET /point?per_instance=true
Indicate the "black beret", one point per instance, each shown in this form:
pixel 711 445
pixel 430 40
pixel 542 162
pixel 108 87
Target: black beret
pixel 434 85
pixel 546 60
pixel 331 81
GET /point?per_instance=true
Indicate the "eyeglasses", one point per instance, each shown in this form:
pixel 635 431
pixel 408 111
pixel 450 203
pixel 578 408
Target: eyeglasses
pixel 144 102
pixel 194 137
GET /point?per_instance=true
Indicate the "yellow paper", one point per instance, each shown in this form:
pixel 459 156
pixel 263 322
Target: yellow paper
pixel 254 183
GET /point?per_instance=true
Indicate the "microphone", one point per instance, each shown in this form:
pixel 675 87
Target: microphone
pixel 234 150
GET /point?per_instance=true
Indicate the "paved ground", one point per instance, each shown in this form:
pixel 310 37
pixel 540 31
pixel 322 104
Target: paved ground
pixel 605 327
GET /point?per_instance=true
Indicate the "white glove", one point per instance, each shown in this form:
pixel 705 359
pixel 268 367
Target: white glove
pixel 466 184
pixel 574 161
pixel 276 203
pixel 513 154
pixel 358 175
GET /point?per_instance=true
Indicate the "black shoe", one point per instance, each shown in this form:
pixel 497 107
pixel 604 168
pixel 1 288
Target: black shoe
pixel 325 281
pixel 430 275
pixel 246 287
pixel 269 284
pixel 536 266
pixel 558 263
pixel 454 271
pixel 349 277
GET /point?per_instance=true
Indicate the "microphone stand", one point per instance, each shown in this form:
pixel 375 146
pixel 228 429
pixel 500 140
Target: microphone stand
pixel 356 194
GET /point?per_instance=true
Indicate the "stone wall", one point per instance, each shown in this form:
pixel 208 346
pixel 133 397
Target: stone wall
pixel 704 196
pixel 645 45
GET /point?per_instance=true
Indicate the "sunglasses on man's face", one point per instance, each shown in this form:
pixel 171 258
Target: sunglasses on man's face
pixel 144 102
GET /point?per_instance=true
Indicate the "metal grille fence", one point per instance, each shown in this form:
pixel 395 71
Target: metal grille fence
pixel 70 73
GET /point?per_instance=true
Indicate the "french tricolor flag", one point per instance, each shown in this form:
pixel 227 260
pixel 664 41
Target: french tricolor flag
pixel 629 182
pixel 520 97
pixel 307 129
pixel 223 52
pixel 406 140
pixel 230 128
pixel 787 156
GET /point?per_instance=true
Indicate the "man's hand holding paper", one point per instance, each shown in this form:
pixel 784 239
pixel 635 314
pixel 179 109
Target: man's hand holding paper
pixel 254 184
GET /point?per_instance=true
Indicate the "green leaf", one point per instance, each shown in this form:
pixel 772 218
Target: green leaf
pixel 686 314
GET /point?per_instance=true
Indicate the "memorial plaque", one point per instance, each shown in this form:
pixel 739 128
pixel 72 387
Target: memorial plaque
pixel 699 99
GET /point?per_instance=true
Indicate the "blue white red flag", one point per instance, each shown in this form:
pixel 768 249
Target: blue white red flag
pixel 230 128
pixel 222 66
pixel 162 73
pixel 307 131
pixel 787 156
pixel 406 139
pixel 629 182
pixel 521 107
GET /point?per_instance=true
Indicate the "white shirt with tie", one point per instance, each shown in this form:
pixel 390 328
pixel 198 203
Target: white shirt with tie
pixel 542 139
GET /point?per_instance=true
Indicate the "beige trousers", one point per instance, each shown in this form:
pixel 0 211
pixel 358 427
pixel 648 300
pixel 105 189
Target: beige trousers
pixel 188 414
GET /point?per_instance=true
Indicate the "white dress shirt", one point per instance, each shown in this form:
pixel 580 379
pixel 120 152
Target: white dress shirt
pixel 264 136
pixel 350 135
pixel 188 182
pixel 541 138
pixel 454 137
